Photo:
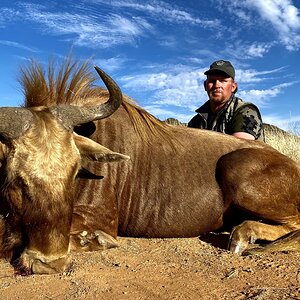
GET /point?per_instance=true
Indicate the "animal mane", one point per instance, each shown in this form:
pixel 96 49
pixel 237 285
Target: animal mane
pixel 74 84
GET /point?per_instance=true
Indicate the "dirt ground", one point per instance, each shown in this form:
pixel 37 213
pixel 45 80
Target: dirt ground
pixel 162 269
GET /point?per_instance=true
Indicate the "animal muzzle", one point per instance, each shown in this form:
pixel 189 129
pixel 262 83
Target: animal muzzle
pixel 34 262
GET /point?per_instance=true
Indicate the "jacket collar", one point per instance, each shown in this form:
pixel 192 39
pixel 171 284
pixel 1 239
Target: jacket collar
pixel 205 108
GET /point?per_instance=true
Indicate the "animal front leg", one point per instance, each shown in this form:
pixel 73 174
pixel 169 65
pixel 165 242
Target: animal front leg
pixel 91 241
pixel 250 231
pixel 289 242
pixel 35 262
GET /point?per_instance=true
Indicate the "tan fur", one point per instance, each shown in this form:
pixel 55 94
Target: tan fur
pixel 43 141
pixel 41 166
pixel 96 152
pixel 38 174
pixel 167 189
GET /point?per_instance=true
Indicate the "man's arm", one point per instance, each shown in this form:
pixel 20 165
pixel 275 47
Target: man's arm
pixel 244 135
pixel 247 122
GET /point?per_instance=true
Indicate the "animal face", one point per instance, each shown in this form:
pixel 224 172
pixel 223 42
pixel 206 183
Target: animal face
pixel 40 158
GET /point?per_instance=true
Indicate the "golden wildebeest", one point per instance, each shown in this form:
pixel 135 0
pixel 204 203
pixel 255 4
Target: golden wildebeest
pixel 179 182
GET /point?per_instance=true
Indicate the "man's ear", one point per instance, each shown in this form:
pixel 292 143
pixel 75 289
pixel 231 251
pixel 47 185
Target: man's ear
pixel 93 151
pixel 204 85
pixel 234 87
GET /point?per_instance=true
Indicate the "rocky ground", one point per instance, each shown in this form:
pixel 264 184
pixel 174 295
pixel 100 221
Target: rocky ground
pixel 162 269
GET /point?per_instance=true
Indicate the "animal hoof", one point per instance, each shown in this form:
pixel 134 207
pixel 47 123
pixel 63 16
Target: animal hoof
pixel 237 246
pixel 92 241
pixel 105 240
pixel 20 269
pixel 253 251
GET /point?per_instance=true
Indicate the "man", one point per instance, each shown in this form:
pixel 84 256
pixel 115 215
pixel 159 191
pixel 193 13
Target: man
pixel 224 112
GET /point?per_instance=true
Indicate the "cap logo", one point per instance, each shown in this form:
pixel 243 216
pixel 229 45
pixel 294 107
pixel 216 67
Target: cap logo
pixel 220 63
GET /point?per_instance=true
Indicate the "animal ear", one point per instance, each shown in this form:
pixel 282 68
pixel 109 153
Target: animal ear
pixel 93 151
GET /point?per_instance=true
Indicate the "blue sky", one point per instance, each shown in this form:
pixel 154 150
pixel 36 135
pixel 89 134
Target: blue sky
pixel 157 51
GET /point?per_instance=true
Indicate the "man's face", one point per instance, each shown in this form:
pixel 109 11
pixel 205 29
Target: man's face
pixel 219 88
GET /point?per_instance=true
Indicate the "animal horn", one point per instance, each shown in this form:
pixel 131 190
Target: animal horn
pixel 71 116
pixel 14 121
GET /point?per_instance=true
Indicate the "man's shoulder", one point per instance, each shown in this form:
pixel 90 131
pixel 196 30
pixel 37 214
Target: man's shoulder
pixel 242 105
pixel 204 108
pixel 196 121
pixel 247 106
pixel 238 102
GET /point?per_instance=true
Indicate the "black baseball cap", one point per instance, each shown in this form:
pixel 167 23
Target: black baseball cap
pixel 221 66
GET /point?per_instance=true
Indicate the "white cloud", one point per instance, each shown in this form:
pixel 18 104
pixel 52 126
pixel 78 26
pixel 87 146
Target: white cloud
pixel 182 89
pixel 262 97
pixel 163 113
pixel 8 15
pixel 17 45
pixel 110 64
pixel 189 96
pixel 162 11
pixel 282 15
pixel 256 50
pixel 253 76
pixel 93 31
pixel 289 123
pixel 259 97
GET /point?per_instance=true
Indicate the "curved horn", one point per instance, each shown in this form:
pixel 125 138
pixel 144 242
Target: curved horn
pixel 14 121
pixel 71 116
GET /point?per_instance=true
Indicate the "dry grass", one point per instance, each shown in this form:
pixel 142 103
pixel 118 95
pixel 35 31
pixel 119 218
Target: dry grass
pixel 283 141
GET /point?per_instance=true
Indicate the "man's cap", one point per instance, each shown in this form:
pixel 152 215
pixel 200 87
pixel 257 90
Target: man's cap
pixel 223 66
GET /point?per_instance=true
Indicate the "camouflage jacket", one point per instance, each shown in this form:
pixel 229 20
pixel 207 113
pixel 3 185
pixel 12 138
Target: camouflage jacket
pixel 236 116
